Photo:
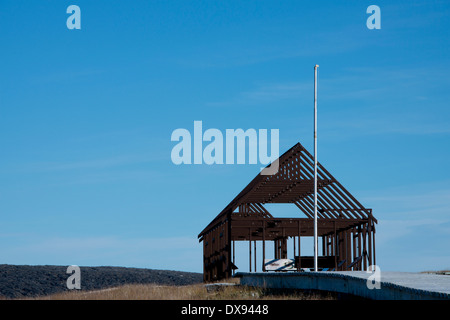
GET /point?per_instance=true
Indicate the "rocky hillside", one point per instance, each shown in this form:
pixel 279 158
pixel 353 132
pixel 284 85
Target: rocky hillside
pixel 18 281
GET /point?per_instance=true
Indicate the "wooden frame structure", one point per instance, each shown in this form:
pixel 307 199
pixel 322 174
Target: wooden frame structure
pixel 347 228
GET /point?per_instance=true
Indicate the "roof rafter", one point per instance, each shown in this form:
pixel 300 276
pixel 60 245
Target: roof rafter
pixel 293 183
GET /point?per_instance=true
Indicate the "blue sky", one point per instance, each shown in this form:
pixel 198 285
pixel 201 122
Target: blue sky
pixel 86 118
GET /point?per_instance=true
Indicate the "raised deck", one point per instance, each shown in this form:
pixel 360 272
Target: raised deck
pixel 393 285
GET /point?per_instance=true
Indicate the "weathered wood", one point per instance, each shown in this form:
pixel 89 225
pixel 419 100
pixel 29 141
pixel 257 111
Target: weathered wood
pixel 346 227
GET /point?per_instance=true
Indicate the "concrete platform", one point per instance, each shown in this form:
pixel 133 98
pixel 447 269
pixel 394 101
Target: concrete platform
pixel 392 285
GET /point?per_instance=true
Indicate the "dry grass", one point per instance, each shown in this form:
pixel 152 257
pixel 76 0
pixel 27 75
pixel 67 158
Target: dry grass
pixel 189 292
pixel 445 272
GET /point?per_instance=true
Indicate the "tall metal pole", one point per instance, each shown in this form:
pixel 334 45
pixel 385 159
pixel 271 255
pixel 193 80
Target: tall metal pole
pixel 315 169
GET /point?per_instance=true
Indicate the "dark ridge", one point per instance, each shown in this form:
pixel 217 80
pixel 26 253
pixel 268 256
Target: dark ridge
pixel 19 281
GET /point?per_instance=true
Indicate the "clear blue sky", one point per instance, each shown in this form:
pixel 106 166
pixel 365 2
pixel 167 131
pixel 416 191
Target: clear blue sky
pixel 86 117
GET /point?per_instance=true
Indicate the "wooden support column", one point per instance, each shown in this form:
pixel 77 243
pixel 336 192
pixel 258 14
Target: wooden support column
pixel 353 234
pixel 276 248
pixel 373 235
pixel 284 245
pixel 342 251
pixel 284 248
pixel 250 249
pixel 324 243
pixel 299 246
pixel 264 246
pixel 254 253
pixel 359 247
pixel 349 248
pixel 364 233
pixel 369 231
pixel 335 248
pixel 293 244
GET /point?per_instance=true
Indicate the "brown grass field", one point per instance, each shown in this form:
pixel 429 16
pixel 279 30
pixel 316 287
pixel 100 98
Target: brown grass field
pixel 187 292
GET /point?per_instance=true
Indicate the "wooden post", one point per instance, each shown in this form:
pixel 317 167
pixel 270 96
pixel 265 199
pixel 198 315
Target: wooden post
pixel 369 231
pixel 354 246
pixel 299 246
pixel 264 247
pixel 364 247
pixel 373 235
pixel 359 247
pixel 293 243
pixel 323 245
pixel 349 248
pixel 276 248
pixel 250 249
pixel 335 248
pixel 254 253
pixel 331 244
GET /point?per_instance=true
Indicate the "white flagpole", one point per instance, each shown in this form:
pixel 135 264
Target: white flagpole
pixel 315 169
